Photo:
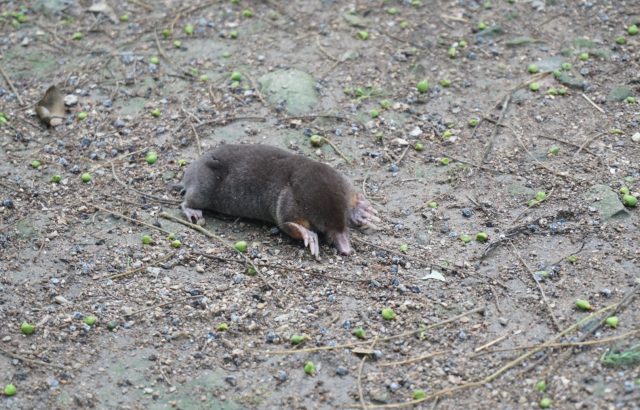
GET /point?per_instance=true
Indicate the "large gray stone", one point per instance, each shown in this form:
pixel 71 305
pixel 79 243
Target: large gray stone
pixel 606 202
pixel 293 87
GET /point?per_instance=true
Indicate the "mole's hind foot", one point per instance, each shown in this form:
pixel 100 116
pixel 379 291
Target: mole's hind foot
pixel 193 215
pixel 363 214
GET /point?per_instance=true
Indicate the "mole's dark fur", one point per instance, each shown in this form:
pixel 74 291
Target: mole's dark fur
pixel 262 182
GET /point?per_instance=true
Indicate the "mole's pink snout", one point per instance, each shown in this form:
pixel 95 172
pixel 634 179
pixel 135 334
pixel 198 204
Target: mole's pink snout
pixel 341 241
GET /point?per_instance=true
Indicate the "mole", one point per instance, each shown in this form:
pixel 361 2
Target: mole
pixel 300 195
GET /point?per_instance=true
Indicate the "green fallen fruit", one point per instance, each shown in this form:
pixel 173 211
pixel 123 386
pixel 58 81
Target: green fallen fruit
pixel 316 140
pixel 166 33
pixel 297 339
pixel 124 18
pixel 404 248
pixel 533 68
pixel 444 161
pixel 584 56
pixel 240 246
pixel 10 390
pixel 310 368
pixel 222 327
pixel 204 78
pixel 566 66
pixel 631 100
pixel 176 243
pixel 247 13
pixel 359 333
pixel 77 36
pixel 445 83
pixel 154 60
pixel 363 35
pixel 151 157
pixel 632 30
pixel 447 134
pixel 465 239
pixel 452 52
pixel 36 164
pixel 545 403
pixel 388 314
pixel 171 236
pixel 562 91
pixel 541 196
pixel 482 25
pixel 541 385
pixel 624 190
pixel 233 34
pixel 534 86
pixel 422 86
pixel 621 40
pixel 482 237
pixel 177 44
pixel 404 24
pixel 554 150
pixel 572 259
pixel 251 271
pixel 542 274
pixel 236 76
pixel 82 115
pixel 385 104
pixel 188 29
pixel 147 239
pixel 156 112
pixel 90 320
pixel 27 328
pixel 86 177
pixel 418 147
pixel 473 122
pixel 552 91
pixel 182 162
pixel 583 304
pixel 419 394
pixel 56 178
pixel 392 11
pixel 612 321
pixel 374 113
pixel 112 325
pixel 432 205
pixel 630 201
pixel 462 43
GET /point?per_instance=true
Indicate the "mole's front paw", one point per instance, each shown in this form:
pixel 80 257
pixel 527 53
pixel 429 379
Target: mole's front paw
pixel 194 215
pixel 363 214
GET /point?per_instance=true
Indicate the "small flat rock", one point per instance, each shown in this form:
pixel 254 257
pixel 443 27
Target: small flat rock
pixel 606 202
pixel 619 93
pixel 70 100
pixel 635 137
pixel 550 63
pixel 294 87
pixel 575 81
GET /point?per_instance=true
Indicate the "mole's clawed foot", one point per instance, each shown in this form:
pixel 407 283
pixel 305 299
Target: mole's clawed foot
pixel 193 215
pixel 309 237
pixel 363 214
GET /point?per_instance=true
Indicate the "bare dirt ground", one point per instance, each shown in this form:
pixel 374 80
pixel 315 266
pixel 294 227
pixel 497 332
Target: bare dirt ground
pixel 469 154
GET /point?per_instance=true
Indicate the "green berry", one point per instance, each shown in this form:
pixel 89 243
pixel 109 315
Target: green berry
pixel 310 368
pixel 534 86
pixel 124 18
pixel 404 248
pixel 240 246
pixel 545 403
pixel 154 60
pixel 473 122
pixel 27 328
pixel 541 385
pixel 233 34
pixel 388 314
pixel 363 35
pixel 56 178
pixel 612 321
pixel 222 327
pixel 316 140
pixel 630 201
pixel 247 13
pixel 359 333
pixel 462 43
pixel 557 74
pixel 156 112
pixel 151 157
pixel 171 236
pixel 465 239
pixel 147 239
pixel 418 147
pixel 385 104
pixel 236 76
pixel 90 320
pixel 632 30
pixel 452 52
pixel 182 162
pixel 419 394
pixel 251 271
pixel 112 325
pixel 624 190
pixel 392 11
pixel 482 237
pixel 621 40
pixel 572 259
pixel 554 150
pixel 86 177
pixel 177 44
pixel 482 25
pixel 533 68
pixel 204 78
pixel 404 24
pixel 82 115
pixel 188 29
pixel 432 205
pixel 447 134
pixel 552 91
pixel 374 113
pixel 166 33
pixel 176 243
pixel 77 36
pixel 422 86
pixel 631 100
pixel 444 161
pixel 566 66
pixel 583 304
pixel 562 91
pixel 445 83
pixel 297 339
pixel 584 56
pixel 10 390
pixel 541 196
pixel 36 164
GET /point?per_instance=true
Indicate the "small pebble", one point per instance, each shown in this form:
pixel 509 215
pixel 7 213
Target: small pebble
pixel 394 386
pixel 231 380
pixel 342 371
pixel 70 100
pixel 8 203
pixel 467 213
pixel 282 376
pixel 393 168
pixel 606 292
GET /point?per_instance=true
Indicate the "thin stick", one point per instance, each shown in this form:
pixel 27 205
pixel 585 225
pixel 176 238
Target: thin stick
pixel 325 52
pixel 385 339
pixel 491 343
pixel 136 270
pixel 588 142
pixel 413 359
pixel 155 198
pixel 336 149
pixel 195 133
pixel 137 312
pixel 592 103
pixel 32 361
pixel 494 133
pixel 119 215
pixel 119 158
pixel 8 80
pixel 544 296
pixel 359 381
